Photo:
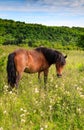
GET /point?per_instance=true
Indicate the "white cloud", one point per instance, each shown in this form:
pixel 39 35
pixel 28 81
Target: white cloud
pixel 76 6
pixel 47 12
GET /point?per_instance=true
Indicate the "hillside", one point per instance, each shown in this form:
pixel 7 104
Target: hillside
pixel 31 107
pixel 12 32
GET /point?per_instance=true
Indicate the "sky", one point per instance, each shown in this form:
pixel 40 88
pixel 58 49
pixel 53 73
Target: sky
pixel 46 12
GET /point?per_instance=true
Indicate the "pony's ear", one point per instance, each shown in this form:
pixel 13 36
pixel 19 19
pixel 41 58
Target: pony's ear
pixel 65 56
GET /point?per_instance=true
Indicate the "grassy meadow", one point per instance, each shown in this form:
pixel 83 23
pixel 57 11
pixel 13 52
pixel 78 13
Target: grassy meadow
pixel 31 107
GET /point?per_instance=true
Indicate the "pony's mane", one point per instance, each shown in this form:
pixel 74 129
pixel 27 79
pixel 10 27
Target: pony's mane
pixel 51 55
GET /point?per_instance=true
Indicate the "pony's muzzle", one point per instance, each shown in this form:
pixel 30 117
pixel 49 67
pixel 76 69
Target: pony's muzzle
pixel 59 75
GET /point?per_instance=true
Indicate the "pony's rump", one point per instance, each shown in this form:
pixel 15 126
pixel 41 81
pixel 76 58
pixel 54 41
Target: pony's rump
pixel 11 70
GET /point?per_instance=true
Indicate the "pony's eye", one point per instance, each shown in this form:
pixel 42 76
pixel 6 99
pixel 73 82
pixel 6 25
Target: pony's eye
pixel 62 63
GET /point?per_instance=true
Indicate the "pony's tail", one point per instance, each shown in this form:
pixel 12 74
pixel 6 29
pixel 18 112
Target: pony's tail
pixel 11 70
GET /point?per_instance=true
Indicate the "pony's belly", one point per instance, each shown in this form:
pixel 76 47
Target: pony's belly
pixel 34 70
pixel 27 70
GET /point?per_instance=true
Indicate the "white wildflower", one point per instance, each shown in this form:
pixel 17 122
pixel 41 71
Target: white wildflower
pixel 50 107
pixel 1 128
pixel 56 86
pixel 5 86
pixel 46 126
pixel 10 92
pixel 22 115
pixel 5 112
pixel 36 90
pixel 41 128
pixel 25 111
pixel 81 95
pixel 23 120
pixel 79 110
pixel 21 109
pixel 79 89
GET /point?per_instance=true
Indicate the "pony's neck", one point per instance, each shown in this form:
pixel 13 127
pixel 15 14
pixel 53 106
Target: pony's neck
pixel 50 55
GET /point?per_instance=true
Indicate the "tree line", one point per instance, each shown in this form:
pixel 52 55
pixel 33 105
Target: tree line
pixel 16 32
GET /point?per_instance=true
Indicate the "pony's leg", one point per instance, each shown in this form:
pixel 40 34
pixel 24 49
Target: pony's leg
pixel 39 79
pixel 45 76
pixel 19 75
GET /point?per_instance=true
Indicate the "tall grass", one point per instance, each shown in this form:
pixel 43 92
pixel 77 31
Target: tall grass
pixel 31 107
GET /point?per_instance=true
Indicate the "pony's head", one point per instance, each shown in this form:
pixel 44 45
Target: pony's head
pixel 60 63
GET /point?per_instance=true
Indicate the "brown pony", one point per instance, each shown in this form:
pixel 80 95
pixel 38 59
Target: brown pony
pixel 32 61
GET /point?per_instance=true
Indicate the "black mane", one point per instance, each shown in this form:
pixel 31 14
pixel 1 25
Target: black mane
pixel 52 56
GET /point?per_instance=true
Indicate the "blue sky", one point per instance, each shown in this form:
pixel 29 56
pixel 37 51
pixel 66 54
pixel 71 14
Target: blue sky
pixel 47 12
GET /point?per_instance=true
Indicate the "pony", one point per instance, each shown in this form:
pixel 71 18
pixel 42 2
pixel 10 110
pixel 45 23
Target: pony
pixel 32 61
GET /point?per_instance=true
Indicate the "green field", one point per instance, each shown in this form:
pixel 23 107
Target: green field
pixel 31 107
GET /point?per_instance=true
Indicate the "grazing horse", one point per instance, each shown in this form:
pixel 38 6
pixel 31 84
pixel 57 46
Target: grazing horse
pixel 32 61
